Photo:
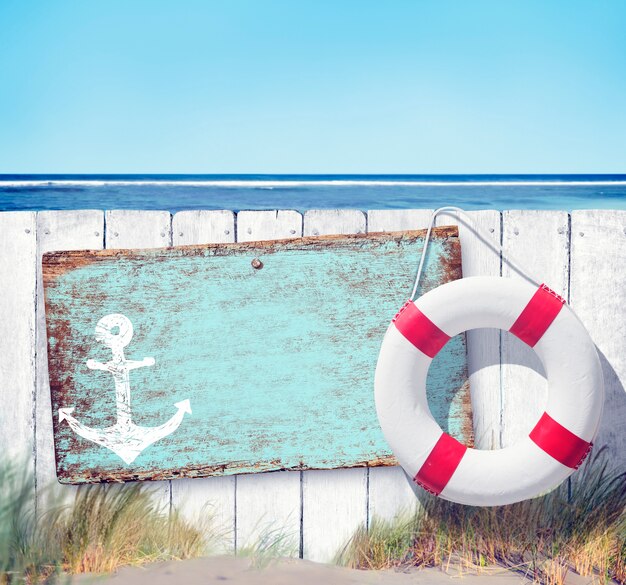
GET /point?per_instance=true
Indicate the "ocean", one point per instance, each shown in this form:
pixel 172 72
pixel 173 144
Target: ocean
pixel 302 192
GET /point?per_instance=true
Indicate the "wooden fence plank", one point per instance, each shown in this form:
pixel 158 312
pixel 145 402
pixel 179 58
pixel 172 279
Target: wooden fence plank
pixel 18 286
pixel 268 511
pixel 334 507
pixel 598 295
pixel 253 226
pixel 269 505
pixel 334 503
pixel 129 228
pixel 483 345
pixel 540 240
pixel 203 227
pixel 56 230
pixel 395 220
pixel 210 499
pixel 320 222
pixel 273 500
pixel 389 490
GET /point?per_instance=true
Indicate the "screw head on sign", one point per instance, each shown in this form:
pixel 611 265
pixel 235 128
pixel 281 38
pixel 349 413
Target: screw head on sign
pixel 256 264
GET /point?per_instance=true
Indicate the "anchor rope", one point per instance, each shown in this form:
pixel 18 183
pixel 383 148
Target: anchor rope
pixel 515 264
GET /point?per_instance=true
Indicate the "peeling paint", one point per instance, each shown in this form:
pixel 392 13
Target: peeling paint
pixel 278 362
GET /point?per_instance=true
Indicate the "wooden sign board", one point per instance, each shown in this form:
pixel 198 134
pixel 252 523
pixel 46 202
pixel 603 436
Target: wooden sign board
pixel 235 358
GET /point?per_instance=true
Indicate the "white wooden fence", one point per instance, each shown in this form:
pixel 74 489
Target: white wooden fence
pixel 581 255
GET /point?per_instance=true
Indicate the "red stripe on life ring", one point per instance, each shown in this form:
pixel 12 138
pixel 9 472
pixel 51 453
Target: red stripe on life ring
pixel 420 330
pixel 440 465
pixel 561 444
pixel 537 315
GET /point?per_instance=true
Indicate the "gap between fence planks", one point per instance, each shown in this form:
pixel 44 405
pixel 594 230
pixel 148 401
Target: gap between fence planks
pixel 594 249
pixel 539 239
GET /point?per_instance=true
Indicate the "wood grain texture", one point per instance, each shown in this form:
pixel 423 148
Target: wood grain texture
pixel 269 511
pixel 540 240
pixel 598 296
pixel 272 500
pixel 390 491
pixel 268 225
pixel 323 222
pixel 391 494
pixel 203 227
pixel 56 230
pixel 18 286
pixel 482 258
pixel 181 303
pixel 129 228
pixel 207 502
pixel 395 220
pixel 334 507
pixel 334 502
pixel 269 505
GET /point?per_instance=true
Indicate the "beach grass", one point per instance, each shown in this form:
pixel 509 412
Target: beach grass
pixel 580 526
pixel 109 526
pixel 270 544
pixel 104 527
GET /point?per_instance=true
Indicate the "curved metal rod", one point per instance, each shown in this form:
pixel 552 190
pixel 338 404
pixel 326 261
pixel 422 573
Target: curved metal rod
pixel 521 270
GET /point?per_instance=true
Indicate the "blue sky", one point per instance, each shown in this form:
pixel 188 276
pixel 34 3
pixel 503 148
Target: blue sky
pixel 314 86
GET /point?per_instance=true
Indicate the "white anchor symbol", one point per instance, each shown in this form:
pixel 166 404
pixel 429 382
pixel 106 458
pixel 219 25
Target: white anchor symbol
pixel 124 438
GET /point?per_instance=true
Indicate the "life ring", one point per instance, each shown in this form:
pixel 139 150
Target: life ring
pixel 560 440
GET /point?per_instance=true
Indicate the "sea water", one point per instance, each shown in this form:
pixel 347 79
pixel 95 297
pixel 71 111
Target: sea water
pixel 302 192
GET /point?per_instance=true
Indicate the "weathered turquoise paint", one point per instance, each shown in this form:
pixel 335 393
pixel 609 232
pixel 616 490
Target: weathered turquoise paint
pixel 278 363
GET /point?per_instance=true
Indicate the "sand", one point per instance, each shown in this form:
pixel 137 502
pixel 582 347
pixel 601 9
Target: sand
pixel 228 570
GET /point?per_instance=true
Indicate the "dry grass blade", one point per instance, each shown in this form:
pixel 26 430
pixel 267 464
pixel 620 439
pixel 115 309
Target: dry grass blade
pixel 105 527
pixel 110 526
pixel 271 543
pixel 581 525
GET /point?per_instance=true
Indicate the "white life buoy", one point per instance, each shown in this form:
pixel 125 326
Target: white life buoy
pixel 557 444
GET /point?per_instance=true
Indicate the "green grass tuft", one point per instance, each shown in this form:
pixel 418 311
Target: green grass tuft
pixel 270 544
pixel 579 526
pixel 105 527
pixel 113 525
